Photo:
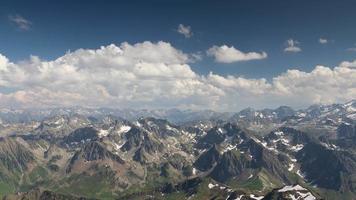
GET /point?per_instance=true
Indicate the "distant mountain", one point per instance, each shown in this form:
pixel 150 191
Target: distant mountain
pixel 173 115
pixel 334 113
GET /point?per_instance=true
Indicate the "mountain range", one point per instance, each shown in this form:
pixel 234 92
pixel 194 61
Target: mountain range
pixel 82 153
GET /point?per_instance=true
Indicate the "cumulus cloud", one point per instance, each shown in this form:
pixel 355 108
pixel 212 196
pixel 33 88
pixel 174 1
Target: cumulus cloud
pixel 157 75
pixel 292 46
pixel 348 64
pixel 323 41
pixel 225 54
pixel 122 76
pixel 20 22
pixel 185 30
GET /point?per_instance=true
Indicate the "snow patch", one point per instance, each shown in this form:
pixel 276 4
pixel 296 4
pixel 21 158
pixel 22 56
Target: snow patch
pixel 194 171
pixel 229 148
pixel 330 146
pixel 138 124
pixel 123 129
pixel 297 147
pixel 59 121
pixel 210 185
pixel 300 192
pixel 171 128
pixel 279 133
pixel 291 167
pixel 103 133
pixel 300 174
pixel 291 188
pixel 256 197
pixel 239 197
pixel 221 130
pixel 352 116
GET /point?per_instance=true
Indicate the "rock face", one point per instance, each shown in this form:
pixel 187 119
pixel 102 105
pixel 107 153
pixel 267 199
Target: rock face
pixel 230 165
pixel 137 138
pixel 93 151
pixel 346 130
pixel 81 135
pixel 208 159
pixel 340 168
pixel 14 156
pixel 284 111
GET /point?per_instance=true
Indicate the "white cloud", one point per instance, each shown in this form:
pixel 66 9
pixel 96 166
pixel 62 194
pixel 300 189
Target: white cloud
pixel 292 46
pixel 144 73
pixel 20 22
pixel 351 49
pixel 157 75
pixel 323 41
pixel 225 54
pixel 185 30
pixel 348 64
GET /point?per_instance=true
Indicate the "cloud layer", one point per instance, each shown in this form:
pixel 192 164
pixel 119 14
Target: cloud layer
pixel 157 75
pixel 225 54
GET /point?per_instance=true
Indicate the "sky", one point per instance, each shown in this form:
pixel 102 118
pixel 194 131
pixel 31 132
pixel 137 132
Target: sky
pixel 220 55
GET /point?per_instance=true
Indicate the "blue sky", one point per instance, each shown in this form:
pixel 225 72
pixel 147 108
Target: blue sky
pixel 247 25
pixel 55 27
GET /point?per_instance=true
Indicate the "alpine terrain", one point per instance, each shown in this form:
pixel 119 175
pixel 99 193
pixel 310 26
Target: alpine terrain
pixel 81 153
